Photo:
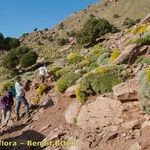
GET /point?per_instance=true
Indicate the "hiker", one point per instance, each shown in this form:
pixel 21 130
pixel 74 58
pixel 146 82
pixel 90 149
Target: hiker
pixel 6 103
pixel 20 97
pixel 42 73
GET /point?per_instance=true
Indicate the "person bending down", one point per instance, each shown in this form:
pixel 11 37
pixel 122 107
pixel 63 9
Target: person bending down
pixel 20 98
pixel 42 73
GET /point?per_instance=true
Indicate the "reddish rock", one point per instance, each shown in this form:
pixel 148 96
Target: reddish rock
pixel 126 91
pixel 100 113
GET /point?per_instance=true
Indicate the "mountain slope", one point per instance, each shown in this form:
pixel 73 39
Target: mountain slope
pixel 46 42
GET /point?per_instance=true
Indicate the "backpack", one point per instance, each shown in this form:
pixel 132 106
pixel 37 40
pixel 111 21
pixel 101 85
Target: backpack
pixel 13 91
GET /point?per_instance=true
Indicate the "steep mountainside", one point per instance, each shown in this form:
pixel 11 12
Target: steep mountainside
pixel 97 97
pixel 46 41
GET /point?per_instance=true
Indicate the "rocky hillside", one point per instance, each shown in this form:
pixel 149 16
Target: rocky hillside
pixel 98 94
pixel 116 12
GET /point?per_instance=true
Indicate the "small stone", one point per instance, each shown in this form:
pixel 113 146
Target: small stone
pixel 35 118
pixel 45 127
pixel 123 134
pixel 135 146
pixel 147 117
pixel 74 148
pixel 145 124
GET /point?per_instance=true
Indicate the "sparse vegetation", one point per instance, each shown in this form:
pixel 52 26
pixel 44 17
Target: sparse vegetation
pixel 35 29
pixel 129 22
pixel 92 16
pixel 63 41
pixel 71 33
pixel 116 16
pixel 61 25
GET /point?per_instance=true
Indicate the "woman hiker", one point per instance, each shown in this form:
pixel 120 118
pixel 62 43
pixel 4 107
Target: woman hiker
pixel 6 103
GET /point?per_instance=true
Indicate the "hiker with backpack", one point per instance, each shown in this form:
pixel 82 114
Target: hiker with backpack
pixel 6 103
pixel 20 98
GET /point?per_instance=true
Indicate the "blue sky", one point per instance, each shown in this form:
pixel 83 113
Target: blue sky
pixel 22 16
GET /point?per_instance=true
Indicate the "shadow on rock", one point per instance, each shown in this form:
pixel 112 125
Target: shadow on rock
pixel 23 141
pixel 45 104
pixel 13 129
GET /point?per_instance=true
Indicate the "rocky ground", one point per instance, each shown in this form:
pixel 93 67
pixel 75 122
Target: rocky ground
pixel 104 122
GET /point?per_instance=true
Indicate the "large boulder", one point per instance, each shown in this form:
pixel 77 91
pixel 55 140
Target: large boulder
pixel 70 92
pixel 126 56
pixel 72 111
pixel 101 113
pixel 135 146
pixel 126 91
pixel 144 91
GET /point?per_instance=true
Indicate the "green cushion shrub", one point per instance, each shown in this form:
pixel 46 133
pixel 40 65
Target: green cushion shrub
pixel 96 52
pixel 1 40
pixel 74 57
pixel 103 59
pixel 92 66
pixel 144 90
pixel 21 50
pixel 5 86
pixel 143 41
pixel 10 60
pixel 63 41
pixel 28 59
pixel 66 81
pixel 54 69
pixel 10 43
pixel 143 60
pixel 42 89
pixel 72 33
pixel 129 22
pixel 36 100
pixel 140 29
pixel 115 55
pixel 100 80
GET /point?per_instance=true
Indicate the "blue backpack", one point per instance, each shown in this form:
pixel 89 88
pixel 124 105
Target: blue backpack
pixel 13 91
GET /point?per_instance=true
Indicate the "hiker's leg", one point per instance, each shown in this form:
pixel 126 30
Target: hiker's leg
pixel 8 113
pixel 3 116
pixel 18 103
pixel 27 106
pixel 43 79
